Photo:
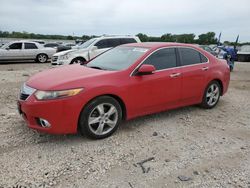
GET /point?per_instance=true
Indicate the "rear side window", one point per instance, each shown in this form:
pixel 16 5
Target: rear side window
pixel 190 56
pixel 162 59
pixel 30 46
pixel 127 40
pixel 16 46
pixel 51 45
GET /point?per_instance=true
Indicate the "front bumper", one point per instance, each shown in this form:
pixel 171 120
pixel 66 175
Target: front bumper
pixel 62 114
pixel 57 61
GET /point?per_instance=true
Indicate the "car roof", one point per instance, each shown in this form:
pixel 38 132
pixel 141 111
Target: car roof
pixel 159 44
pixel 116 36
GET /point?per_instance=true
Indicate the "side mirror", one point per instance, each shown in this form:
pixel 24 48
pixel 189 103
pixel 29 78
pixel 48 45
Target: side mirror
pixel 146 69
pixel 93 48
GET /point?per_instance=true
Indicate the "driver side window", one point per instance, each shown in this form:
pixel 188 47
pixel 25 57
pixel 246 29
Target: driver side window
pixel 15 46
pixel 162 59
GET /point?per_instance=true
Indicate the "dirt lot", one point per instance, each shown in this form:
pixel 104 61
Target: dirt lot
pixel 188 147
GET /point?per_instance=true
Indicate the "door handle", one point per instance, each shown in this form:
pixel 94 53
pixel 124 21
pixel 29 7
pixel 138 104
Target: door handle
pixel 205 68
pixel 175 75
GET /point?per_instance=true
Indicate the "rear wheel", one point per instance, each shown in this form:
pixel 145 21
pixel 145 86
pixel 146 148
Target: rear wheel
pixel 211 95
pixel 42 58
pixel 100 118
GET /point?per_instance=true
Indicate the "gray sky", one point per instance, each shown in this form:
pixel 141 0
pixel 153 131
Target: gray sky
pixel 152 17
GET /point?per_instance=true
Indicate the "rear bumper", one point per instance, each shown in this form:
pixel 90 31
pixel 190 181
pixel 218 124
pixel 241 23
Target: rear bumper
pixel 62 114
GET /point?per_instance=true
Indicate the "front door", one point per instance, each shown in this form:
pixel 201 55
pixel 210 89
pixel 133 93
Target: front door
pixel 160 90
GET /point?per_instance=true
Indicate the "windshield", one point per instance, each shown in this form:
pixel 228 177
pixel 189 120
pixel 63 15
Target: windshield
pixel 87 43
pixel 118 58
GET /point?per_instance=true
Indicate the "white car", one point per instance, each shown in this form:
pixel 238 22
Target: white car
pixel 25 50
pixel 91 49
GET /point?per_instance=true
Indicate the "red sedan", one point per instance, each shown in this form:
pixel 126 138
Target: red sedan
pixel 126 82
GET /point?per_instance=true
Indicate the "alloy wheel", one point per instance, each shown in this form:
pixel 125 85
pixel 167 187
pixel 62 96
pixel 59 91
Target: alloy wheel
pixel 213 94
pixel 103 118
pixel 42 58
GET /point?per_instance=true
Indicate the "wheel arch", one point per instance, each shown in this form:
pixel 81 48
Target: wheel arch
pixel 80 57
pixel 116 97
pixel 220 83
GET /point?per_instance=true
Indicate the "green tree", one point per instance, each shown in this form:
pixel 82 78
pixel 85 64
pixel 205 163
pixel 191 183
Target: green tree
pixel 208 38
pixel 143 37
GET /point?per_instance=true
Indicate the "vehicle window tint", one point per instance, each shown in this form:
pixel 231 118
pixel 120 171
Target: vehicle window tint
pixel 16 46
pixel 203 58
pixel 51 45
pixel 162 59
pixel 189 56
pixel 30 46
pixel 113 43
pixel 128 40
pixel 102 44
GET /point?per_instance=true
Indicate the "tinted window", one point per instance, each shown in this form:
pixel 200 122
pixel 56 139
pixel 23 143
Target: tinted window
pixel 30 46
pixel 102 44
pixel 15 46
pixel 203 58
pixel 108 43
pixel 189 56
pixel 51 45
pixel 113 42
pixel 162 59
pixel 128 40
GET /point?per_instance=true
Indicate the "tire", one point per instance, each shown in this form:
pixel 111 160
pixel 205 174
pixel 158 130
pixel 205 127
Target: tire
pixel 211 95
pixel 78 60
pixel 100 118
pixel 41 58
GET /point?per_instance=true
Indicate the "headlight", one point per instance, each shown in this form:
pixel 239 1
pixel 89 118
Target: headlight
pixel 47 95
pixel 64 57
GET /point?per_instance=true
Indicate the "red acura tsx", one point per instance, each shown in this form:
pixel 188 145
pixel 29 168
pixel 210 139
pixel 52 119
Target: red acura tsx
pixel 123 83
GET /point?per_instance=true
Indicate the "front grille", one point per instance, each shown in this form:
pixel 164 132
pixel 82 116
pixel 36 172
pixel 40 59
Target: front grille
pixel 54 58
pixel 23 96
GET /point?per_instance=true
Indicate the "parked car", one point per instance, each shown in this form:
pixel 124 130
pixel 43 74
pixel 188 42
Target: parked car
pixel 244 53
pixel 39 41
pixel 58 47
pixel 208 49
pixel 91 49
pixel 25 50
pixel 123 83
pixel 51 45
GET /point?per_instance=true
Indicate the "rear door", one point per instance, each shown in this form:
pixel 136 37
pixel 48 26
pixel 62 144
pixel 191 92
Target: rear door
pixel 160 90
pixel 30 50
pixel 195 68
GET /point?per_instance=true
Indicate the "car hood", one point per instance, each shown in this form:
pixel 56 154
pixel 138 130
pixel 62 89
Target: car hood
pixel 72 51
pixel 65 77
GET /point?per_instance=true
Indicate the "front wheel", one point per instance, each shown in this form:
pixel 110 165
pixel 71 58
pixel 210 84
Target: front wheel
pixel 42 58
pixel 100 118
pixel 78 60
pixel 211 95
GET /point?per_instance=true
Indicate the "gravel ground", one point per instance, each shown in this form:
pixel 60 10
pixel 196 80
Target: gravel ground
pixel 187 147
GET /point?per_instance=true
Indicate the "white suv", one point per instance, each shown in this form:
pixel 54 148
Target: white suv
pixel 91 49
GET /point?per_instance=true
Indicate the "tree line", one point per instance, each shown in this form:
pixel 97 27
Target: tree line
pixel 206 38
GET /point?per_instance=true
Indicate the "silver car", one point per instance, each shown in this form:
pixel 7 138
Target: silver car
pixel 25 50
